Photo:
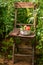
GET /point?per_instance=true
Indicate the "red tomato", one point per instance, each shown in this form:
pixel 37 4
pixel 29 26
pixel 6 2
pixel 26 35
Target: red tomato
pixel 28 28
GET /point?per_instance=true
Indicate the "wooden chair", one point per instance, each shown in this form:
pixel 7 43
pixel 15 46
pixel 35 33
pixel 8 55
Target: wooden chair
pixel 16 31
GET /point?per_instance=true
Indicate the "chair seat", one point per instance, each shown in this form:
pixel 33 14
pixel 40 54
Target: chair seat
pixel 16 32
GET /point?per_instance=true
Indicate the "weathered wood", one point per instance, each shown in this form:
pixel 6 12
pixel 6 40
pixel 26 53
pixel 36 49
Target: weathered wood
pixel 24 5
pixel 28 36
pixel 13 53
pixel 33 54
pixel 15 18
pixel 14 32
pixel 22 55
pixel 29 48
pixel 35 20
pixel 24 24
pixel 17 33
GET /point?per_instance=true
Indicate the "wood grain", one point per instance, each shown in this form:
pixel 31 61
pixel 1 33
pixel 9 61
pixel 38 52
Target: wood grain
pixel 24 5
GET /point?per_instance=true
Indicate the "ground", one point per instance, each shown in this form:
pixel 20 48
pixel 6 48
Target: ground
pixel 10 62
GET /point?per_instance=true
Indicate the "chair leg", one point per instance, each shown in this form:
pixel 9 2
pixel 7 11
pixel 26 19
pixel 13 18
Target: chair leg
pixel 33 56
pixel 13 53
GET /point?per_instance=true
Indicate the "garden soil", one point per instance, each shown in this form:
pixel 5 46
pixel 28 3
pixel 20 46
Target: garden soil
pixel 10 62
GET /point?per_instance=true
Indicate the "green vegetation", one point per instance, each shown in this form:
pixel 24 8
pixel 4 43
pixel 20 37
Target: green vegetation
pixel 6 17
pixel 7 24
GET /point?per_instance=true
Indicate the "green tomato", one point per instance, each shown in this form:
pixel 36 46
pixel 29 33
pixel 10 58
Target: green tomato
pixel 25 27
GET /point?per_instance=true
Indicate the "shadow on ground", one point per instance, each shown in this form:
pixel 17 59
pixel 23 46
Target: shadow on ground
pixel 3 64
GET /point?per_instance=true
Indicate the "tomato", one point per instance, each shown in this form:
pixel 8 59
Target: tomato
pixel 28 28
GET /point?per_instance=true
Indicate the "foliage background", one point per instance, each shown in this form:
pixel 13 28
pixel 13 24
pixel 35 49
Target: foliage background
pixel 7 23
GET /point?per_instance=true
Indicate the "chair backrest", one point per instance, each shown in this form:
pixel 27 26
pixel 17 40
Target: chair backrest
pixel 24 5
